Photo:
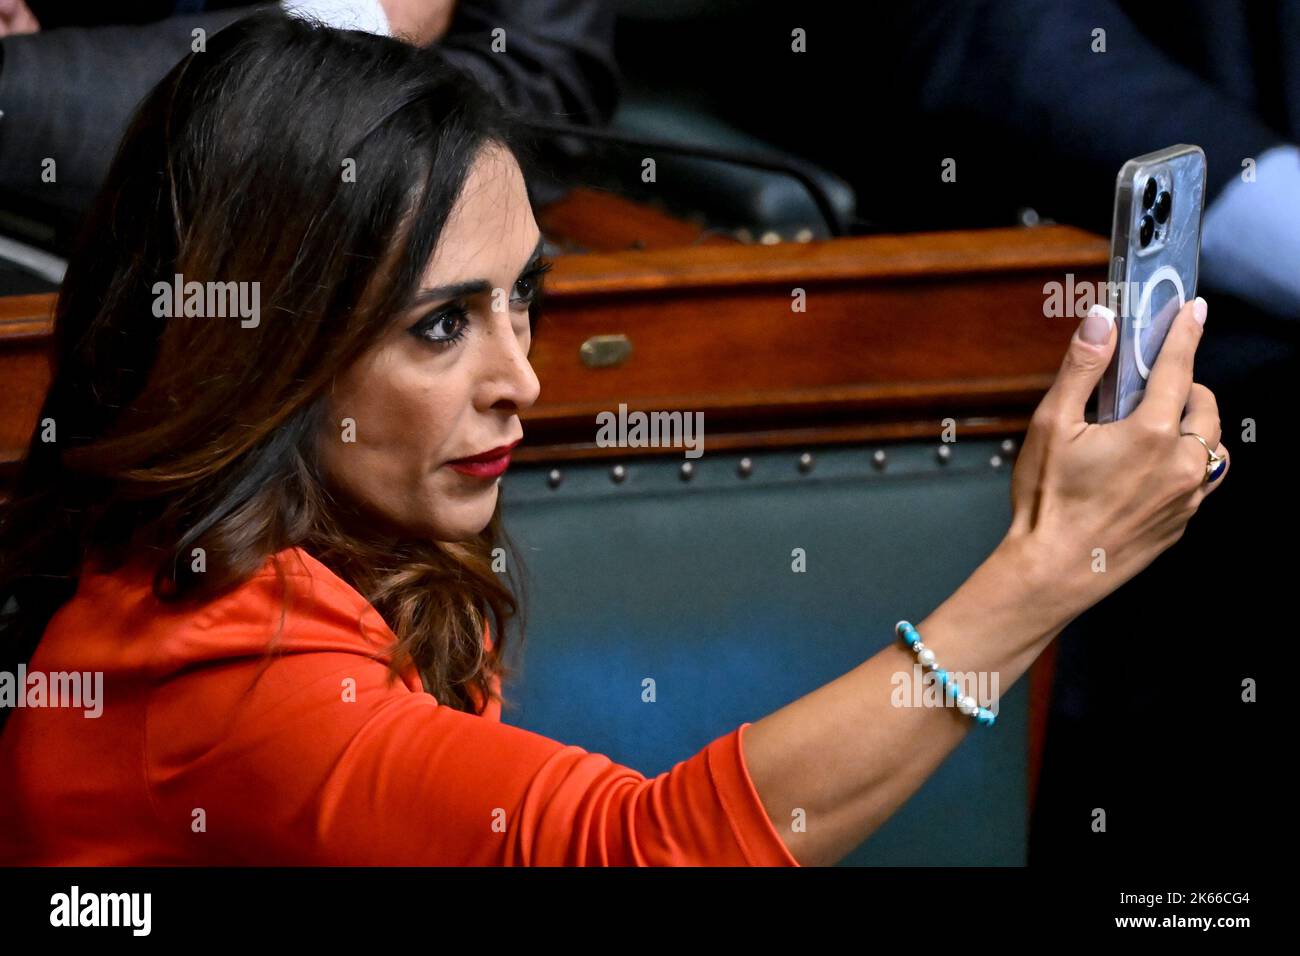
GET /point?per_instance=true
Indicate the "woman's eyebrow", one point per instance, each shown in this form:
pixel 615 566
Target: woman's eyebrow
pixel 472 286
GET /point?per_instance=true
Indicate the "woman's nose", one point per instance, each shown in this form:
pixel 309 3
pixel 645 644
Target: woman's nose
pixel 512 375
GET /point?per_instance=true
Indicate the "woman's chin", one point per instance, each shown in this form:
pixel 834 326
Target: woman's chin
pixel 467 519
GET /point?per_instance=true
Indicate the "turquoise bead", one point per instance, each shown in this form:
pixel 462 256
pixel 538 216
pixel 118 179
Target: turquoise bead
pixel 910 635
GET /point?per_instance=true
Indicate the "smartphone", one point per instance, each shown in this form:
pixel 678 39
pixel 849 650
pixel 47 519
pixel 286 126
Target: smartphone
pixel 1155 249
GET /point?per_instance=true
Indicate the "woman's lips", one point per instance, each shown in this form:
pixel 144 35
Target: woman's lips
pixel 482 466
pixel 492 468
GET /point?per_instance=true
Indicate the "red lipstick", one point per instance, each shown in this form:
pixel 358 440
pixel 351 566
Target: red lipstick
pixel 487 464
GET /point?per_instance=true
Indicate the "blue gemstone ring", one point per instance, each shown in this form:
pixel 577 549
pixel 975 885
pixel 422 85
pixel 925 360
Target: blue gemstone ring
pixel 1215 464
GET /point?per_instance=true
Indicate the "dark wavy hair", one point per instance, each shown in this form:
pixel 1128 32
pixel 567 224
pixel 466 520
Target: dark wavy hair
pixel 181 434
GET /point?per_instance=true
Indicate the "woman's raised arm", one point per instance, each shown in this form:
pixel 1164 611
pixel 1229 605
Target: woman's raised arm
pixel 1092 506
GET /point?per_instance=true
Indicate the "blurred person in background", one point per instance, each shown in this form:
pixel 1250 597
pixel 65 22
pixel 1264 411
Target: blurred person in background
pixel 71 73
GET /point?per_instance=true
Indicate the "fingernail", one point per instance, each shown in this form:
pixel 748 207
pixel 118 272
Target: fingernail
pixel 1199 309
pixel 1097 326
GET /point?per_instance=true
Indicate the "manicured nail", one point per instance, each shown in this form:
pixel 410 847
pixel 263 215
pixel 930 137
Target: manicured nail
pixel 1097 326
pixel 1199 309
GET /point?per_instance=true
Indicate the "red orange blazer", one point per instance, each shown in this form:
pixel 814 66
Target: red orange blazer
pixel 322 760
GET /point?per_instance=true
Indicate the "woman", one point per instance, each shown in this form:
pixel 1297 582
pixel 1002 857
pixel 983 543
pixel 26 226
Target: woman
pixel 263 530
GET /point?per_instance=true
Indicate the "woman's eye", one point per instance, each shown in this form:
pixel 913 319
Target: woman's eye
pixel 529 286
pixel 442 328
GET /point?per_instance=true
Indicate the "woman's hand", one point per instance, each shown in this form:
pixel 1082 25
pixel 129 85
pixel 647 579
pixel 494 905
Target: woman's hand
pixel 1097 503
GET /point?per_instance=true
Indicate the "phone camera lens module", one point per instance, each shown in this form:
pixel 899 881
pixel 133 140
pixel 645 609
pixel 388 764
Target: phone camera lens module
pixel 1162 206
pixel 1147 230
pixel 1149 194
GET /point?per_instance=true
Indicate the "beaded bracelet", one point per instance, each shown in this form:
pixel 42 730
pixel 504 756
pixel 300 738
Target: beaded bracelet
pixel 925 656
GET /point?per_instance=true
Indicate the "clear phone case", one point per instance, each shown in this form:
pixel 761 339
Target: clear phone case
pixel 1153 267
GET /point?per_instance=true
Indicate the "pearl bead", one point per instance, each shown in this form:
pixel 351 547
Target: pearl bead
pixel 926 657
pixel 966 705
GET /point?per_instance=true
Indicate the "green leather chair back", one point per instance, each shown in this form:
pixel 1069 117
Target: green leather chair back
pixel 690 583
